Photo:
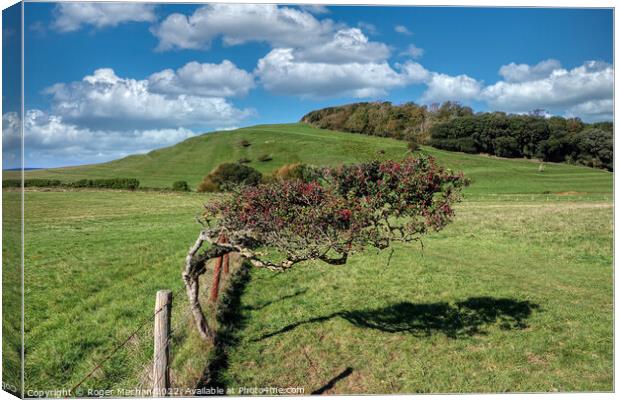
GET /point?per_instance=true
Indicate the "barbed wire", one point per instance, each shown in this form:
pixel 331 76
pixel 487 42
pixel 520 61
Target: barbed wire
pixel 123 343
pixel 171 336
pixel 178 322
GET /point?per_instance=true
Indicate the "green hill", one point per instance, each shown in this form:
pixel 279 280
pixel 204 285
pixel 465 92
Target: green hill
pixel 515 295
pixel 194 158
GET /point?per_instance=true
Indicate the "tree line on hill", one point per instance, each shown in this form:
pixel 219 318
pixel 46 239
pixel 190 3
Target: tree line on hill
pixel 452 126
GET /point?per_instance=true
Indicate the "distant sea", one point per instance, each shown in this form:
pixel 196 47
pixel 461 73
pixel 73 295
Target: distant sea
pixel 17 169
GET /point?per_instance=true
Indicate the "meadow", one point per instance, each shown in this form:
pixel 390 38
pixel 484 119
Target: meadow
pixel 11 291
pixel 510 298
pixel 515 295
pixel 194 158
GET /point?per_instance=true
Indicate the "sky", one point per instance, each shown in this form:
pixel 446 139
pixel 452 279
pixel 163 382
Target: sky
pixel 105 80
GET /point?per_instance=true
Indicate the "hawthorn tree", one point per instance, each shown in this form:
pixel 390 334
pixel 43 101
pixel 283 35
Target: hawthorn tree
pixel 345 210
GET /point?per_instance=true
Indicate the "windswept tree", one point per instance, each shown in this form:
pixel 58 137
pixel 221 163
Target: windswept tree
pixel 346 210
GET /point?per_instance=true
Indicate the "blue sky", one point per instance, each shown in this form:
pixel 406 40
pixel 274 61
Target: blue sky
pixel 103 82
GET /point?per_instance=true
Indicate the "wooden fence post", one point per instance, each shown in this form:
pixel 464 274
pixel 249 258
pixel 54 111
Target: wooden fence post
pixel 161 373
pixel 226 262
pixel 215 285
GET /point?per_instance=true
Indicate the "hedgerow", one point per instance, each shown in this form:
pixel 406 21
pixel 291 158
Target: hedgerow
pixel 113 183
pixel 180 186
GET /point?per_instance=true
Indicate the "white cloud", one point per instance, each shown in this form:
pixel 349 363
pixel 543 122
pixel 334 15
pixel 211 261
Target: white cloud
pixel 281 72
pixel 11 140
pixel 585 91
pixel 558 89
pixel 10 129
pixel 413 51
pixel 105 101
pixel 70 17
pixel 371 29
pixel 524 72
pixel 211 80
pixel 51 141
pixel 302 48
pixel 402 30
pixel 347 45
pixel 241 23
pixel 309 57
pixel 412 73
pixel 442 87
pixel 315 9
pixel 593 110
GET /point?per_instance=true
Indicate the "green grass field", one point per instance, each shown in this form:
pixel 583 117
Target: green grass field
pixel 11 291
pixel 194 158
pixel 509 298
pixel 94 262
pixel 515 295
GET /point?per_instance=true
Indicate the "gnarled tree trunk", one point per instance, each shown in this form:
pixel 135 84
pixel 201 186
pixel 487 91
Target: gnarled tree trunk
pixel 192 287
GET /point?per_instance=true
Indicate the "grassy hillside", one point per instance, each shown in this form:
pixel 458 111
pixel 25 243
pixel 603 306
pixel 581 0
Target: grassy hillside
pixel 512 296
pixel 515 295
pixel 94 261
pixel 192 159
pixel 11 290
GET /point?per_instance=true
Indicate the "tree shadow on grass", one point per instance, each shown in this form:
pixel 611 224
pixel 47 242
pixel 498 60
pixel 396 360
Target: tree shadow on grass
pixel 268 303
pixel 464 318
pixel 230 320
pixel 332 382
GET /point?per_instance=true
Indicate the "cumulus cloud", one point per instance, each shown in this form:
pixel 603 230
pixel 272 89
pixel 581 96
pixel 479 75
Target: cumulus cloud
pixel 52 140
pixel 11 133
pixel 302 45
pixel 50 131
pixel 69 17
pixel 11 140
pixel 242 23
pixel 442 87
pixel 10 129
pixel 346 45
pixel 524 72
pixel 593 110
pixel 211 80
pixel 106 101
pixel 555 89
pixel 413 51
pixel 104 116
pixel 315 9
pixel 280 27
pixel 402 30
pixel 585 91
pixel 413 72
pixel 281 72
